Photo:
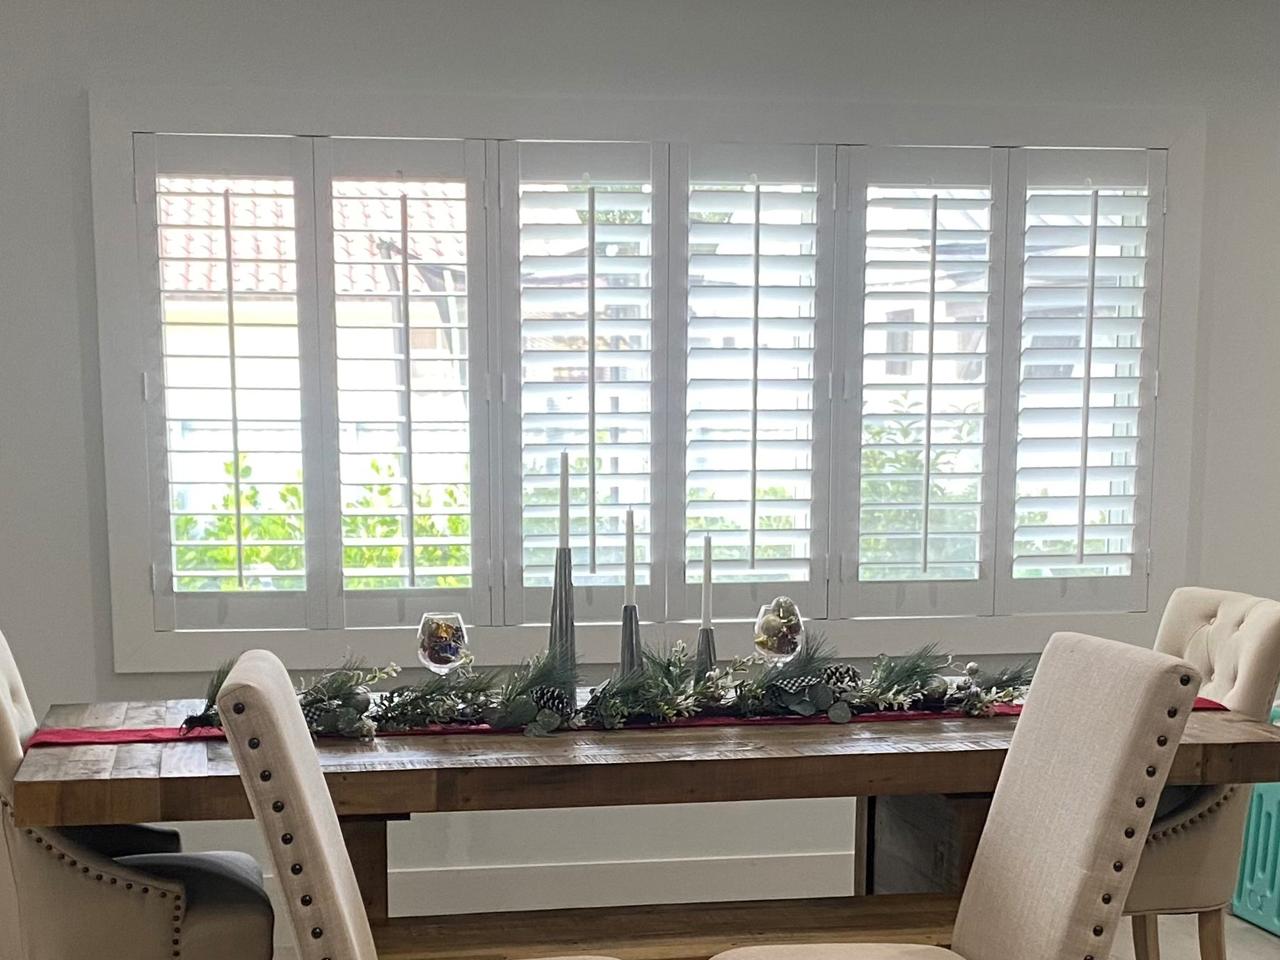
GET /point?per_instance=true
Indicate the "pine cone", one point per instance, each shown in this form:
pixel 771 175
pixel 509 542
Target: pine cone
pixel 549 698
pixel 795 684
pixel 841 675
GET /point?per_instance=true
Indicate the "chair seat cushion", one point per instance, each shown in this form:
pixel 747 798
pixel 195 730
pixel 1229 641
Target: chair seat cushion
pixel 228 911
pixel 840 951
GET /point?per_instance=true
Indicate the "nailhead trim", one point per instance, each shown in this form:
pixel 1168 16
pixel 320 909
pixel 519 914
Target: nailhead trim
pixel 237 708
pixel 278 806
pixel 1204 814
pixel 61 857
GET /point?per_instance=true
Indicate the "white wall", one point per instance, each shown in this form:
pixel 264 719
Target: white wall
pixel 1218 60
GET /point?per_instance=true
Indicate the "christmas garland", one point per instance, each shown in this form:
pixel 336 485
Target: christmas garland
pixel 661 689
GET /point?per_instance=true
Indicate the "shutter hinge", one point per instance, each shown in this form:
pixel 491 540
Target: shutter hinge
pixel 502 387
pixel 1164 199
pixel 155 581
pixel 1155 385
pixel 146 387
pixel 1148 563
pixel 831 384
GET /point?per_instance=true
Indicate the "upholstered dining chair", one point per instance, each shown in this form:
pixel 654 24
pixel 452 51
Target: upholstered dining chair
pixel 1192 854
pixel 281 774
pixel 62 899
pixel 1089 756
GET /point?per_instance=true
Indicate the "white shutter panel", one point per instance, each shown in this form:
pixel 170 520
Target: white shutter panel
pixel 231 409
pixel 580 222
pixel 922 326
pixel 1077 499
pixel 402 240
pixel 756 369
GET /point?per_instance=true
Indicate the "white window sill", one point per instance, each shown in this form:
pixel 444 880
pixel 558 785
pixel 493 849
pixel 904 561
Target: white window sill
pixel 200 650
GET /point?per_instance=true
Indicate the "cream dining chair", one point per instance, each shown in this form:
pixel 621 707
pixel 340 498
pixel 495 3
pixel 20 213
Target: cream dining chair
pixel 62 899
pixel 290 800
pixel 1192 854
pixel 1089 756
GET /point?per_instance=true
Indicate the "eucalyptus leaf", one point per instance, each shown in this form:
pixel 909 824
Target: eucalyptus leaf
pixel 805 708
pixel 822 696
pixel 839 712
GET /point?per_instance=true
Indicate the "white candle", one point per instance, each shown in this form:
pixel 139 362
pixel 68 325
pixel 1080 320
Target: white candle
pixel 564 498
pixel 706 580
pixel 629 585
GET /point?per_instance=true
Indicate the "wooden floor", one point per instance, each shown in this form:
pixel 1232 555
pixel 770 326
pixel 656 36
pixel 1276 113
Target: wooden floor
pixel 660 932
pixel 1178 941
pixel 668 931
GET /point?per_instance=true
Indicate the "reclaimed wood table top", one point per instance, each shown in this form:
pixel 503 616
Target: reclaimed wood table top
pixel 394 776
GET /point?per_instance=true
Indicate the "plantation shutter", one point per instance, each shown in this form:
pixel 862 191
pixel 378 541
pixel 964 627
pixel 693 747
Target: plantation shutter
pixel 915 478
pixel 752 235
pixel 402 238
pixel 583 228
pixel 227 245
pixel 1086 291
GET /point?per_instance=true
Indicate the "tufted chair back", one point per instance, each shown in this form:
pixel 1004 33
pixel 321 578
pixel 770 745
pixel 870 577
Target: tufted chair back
pixel 1193 849
pixel 17 721
pixel 290 800
pixel 119 911
pixel 1088 759
pixel 1233 639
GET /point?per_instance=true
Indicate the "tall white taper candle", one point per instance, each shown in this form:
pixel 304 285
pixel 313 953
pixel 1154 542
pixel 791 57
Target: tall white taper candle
pixel 629 585
pixel 564 498
pixel 706 580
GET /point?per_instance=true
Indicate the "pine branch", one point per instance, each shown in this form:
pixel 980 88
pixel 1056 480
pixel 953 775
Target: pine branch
pixel 208 717
pixel 908 672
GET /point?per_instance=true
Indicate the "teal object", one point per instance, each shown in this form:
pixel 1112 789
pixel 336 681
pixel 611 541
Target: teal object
pixel 1257 896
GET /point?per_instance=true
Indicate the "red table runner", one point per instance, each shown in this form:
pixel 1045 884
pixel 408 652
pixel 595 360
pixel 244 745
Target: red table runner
pixel 84 736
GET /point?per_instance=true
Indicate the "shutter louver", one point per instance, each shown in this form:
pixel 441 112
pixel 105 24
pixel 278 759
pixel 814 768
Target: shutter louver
pixel 1078 397
pixel 1088 290
pixel 585 227
pixel 752 323
pixel 228 293
pixel 924 382
pixel 403 385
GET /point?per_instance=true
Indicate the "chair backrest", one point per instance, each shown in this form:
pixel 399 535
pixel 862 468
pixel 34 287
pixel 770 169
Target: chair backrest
pixel 1233 639
pixel 1089 757
pixel 17 721
pixel 290 800
pixel 59 899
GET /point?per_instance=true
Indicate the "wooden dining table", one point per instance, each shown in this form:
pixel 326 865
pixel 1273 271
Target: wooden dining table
pixel 394 777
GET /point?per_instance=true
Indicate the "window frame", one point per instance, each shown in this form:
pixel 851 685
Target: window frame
pixel 520 603
pixel 465 160
pixel 176 155
pixel 683 598
pixel 116 111
pixel 863 167
pixel 1120 593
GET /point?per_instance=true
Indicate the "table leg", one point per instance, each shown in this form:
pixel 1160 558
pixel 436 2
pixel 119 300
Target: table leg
pixel 366 839
pixel 864 839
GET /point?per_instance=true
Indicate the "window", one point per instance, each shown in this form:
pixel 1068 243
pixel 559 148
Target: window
pixel 583 216
pixel 928 298
pixel 1086 306
pixel 404 221
pixel 887 380
pixel 756 316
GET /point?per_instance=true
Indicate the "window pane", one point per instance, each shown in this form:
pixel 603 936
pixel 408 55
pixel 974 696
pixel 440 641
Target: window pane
pixel 924 371
pixel 404 404
pixel 749 403
pixel 1080 379
pixel 586 374
pixel 229 311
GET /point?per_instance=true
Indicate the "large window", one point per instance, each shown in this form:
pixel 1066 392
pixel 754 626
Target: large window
pixel 887 381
